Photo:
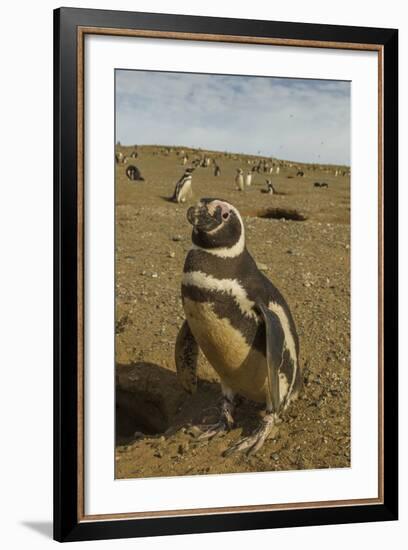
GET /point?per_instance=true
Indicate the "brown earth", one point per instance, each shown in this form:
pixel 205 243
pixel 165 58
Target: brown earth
pixel 309 261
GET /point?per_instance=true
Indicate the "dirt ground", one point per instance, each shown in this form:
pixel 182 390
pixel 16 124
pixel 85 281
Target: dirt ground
pixel 308 259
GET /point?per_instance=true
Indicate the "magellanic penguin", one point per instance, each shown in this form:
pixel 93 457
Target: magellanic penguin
pixel 133 173
pixel 248 178
pixel 239 180
pixel 270 188
pixel 239 320
pixel 183 187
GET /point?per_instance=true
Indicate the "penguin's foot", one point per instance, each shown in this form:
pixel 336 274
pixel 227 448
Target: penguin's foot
pixel 255 441
pixel 224 424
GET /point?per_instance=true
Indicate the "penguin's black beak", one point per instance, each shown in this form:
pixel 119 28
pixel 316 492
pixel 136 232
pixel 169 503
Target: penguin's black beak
pixel 201 219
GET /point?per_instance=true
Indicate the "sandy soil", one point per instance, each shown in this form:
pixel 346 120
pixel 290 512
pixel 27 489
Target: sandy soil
pixel 309 261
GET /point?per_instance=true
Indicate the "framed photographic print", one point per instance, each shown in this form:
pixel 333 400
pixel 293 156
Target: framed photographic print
pixel 225 274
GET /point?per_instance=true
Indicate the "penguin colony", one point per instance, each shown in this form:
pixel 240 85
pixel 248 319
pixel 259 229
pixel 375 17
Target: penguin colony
pixel 183 187
pixel 239 320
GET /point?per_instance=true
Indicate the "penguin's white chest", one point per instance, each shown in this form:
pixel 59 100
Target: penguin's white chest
pixel 224 346
pixel 185 191
pixel 239 366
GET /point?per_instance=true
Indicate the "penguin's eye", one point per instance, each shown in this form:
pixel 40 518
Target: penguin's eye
pixel 225 216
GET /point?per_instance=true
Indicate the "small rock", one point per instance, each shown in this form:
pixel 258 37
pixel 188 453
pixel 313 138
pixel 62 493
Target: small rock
pixel 158 454
pixel 177 238
pixel 262 267
pixel 182 448
pixel 275 456
pixel 155 275
pixel 194 431
pixel 172 254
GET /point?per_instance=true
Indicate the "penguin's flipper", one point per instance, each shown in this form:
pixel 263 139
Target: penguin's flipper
pixel 186 356
pixel 275 342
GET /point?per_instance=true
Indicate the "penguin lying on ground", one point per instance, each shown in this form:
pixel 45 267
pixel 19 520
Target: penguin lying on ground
pixel 133 173
pixel 270 189
pixel 239 320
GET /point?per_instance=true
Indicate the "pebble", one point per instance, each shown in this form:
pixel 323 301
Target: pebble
pixel 275 456
pixel 182 448
pixel 177 238
pixel 194 431
pixel 155 275
pixel 172 254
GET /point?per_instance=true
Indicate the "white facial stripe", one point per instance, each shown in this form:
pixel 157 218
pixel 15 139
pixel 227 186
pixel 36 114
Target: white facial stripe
pixel 289 340
pixel 229 286
pixel 232 251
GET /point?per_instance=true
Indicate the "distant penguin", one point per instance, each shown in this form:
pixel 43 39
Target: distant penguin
pixel 277 170
pixel 183 187
pixel 119 157
pixel 248 179
pixel 184 160
pixel 239 320
pixel 133 173
pixel 239 180
pixel 134 155
pixel 300 173
pixel 217 170
pixel 270 188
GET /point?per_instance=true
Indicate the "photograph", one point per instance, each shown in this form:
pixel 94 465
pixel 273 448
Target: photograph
pixel 232 273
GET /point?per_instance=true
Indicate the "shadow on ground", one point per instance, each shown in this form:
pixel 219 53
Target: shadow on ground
pixel 150 401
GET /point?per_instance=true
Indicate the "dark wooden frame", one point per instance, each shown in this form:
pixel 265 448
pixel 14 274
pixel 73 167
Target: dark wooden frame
pixel 70 27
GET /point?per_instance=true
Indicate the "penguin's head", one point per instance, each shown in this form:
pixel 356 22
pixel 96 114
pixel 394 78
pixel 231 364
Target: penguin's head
pixel 217 225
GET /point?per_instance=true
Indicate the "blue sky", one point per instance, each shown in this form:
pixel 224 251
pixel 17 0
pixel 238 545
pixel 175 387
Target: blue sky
pixel 296 119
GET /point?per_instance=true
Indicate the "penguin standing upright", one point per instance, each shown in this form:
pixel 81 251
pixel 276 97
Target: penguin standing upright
pixel 239 180
pixel 248 178
pixel 217 170
pixel 239 320
pixel 183 187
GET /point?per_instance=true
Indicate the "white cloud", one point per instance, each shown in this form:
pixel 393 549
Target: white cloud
pixel 305 120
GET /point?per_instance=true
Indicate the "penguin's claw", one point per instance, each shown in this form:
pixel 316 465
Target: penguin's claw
pixel 213 430
pixel 255 441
